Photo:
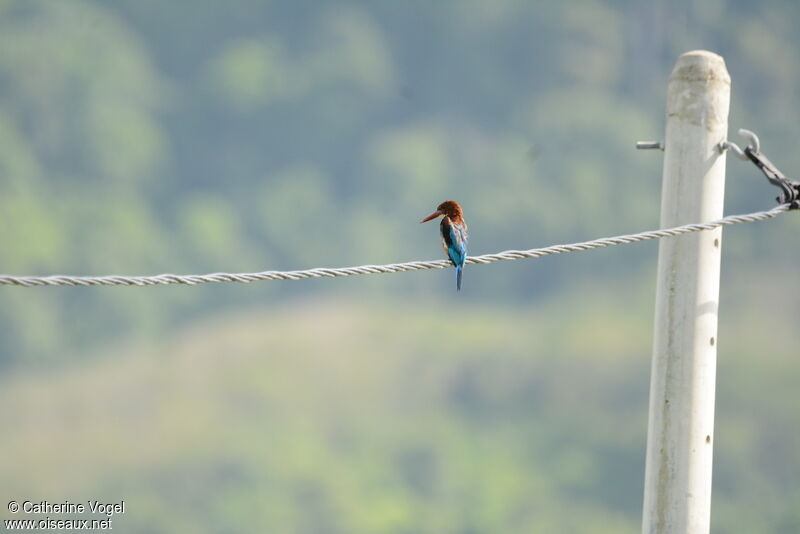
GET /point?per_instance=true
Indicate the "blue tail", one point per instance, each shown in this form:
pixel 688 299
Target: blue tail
pixel 458 277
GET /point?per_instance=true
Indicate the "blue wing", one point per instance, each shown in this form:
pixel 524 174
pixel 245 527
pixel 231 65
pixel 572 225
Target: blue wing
pixel 454 241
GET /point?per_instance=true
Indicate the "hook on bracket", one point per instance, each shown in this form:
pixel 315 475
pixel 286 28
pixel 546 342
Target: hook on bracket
pixel 790 190
pixel 755 144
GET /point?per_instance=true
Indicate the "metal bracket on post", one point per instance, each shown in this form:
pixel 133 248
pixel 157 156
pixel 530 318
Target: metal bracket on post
pixel 650 145
pixel 790 189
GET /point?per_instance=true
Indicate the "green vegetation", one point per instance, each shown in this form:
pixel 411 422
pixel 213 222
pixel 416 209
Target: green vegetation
pixel 336 416
pixel 139 137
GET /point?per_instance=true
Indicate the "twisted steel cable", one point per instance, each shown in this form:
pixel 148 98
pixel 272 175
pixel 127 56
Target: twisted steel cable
pixel 325 272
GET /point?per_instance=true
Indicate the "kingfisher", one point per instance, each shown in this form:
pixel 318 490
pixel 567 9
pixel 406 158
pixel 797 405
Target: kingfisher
pixel 454 234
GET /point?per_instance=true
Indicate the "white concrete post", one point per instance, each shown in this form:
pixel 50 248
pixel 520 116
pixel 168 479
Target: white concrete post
pixel 680 435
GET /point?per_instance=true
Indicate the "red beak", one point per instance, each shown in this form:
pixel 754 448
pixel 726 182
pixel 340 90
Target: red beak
pixel 432 216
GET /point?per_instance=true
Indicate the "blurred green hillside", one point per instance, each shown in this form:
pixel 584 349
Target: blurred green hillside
pixel 343 416
pixel 140 137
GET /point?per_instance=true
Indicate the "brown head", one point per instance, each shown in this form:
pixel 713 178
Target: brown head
pixel 449 208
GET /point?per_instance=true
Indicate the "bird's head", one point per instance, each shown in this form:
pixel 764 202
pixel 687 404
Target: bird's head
pixel 448 208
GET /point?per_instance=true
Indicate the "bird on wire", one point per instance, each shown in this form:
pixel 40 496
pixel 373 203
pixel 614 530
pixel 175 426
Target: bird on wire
pixel 454 234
